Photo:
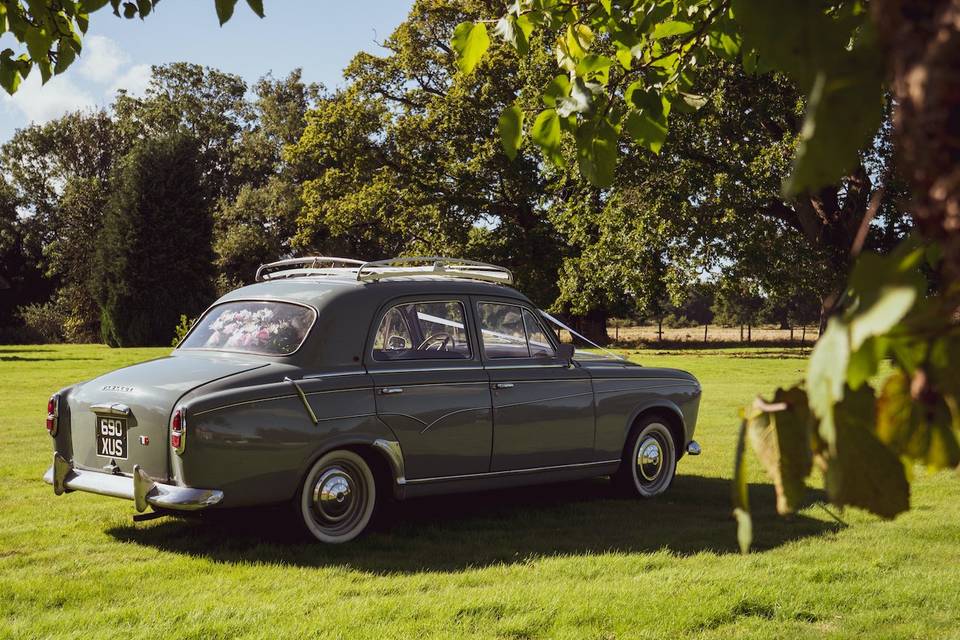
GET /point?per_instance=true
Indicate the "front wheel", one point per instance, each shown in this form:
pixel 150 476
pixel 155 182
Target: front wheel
pixel 649 460
pixel 338 496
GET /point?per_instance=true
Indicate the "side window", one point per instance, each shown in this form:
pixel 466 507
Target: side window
pixel 423 331
pixel 537 340
pixel 501 328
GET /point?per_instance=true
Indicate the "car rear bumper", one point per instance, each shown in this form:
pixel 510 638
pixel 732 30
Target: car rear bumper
pixel 140 488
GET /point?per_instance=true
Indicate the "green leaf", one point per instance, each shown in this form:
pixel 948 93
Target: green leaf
pixel 865 361
pixel 515 31
pixel 595 67
pixel 470 41
pixel 225 10
pixel 863 472
pixel 10 77
pixel 780 433
pixel 65 56
pixel 647 125
pixel 546 134
pixel 671 28
pixel 129 10
pixel 257 7
pixel 143 6
pixel 921 430
pixel 511 130
pixel 597 152
pixel 558 88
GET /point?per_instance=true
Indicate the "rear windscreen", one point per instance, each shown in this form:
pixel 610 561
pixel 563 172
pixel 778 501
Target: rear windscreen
pixel 267 328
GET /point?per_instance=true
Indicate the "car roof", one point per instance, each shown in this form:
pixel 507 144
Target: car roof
pixel 346 307
pixel 319 292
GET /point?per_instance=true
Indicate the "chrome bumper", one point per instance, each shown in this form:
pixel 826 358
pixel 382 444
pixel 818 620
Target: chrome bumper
pixel 140 488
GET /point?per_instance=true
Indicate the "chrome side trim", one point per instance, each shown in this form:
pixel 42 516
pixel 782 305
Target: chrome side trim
pixel 111 409
pixel 374 371
pixel 163 496
pixel 494 474
pixel 303 399
pixel 394 454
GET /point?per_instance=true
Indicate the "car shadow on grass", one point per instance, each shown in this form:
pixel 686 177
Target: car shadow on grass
pixel 451 533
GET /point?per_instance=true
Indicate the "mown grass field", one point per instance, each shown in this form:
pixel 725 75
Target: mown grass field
pixel 565 561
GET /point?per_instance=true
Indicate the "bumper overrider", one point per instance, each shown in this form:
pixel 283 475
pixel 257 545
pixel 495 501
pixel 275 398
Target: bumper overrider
pixel 140 488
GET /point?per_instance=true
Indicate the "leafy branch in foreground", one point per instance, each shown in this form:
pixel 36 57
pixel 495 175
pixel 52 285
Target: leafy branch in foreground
pixel 628 63
pixel 52 32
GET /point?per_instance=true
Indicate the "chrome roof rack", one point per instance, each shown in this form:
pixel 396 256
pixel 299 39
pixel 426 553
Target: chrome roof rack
pixel 436 266
pixel 318 265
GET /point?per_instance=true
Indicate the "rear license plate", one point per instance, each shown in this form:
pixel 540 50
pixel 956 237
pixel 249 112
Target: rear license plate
pixel 112 437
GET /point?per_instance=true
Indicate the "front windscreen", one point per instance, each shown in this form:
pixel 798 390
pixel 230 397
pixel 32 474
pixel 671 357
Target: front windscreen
pixel 267 328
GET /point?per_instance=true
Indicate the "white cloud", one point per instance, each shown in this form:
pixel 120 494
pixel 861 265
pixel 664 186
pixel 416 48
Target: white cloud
pixel 134 80
pixel 41 103
pixel 101 59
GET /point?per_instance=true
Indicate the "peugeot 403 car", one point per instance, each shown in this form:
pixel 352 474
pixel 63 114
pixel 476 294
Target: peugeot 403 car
pixel 334 384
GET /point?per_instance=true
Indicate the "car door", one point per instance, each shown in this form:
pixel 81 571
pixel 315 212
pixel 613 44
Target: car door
pixel 543 407
pixel 430 386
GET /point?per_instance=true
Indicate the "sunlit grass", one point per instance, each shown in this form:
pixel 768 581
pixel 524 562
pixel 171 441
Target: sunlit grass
pixel 568 561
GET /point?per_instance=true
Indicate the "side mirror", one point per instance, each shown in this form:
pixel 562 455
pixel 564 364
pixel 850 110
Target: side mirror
pixel 565 352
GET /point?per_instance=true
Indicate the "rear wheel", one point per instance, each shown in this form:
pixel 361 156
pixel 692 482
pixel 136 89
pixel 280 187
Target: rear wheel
pixel 649 459
pixel 338 497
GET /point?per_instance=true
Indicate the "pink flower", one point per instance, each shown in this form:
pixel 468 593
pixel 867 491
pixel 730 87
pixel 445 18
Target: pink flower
pixel 263 334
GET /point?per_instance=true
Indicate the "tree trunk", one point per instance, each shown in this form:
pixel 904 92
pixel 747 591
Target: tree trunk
pixel 922 43
pixel 803 335
pixel 659 329
pixel 593 325
pixel 791 335
pixel 749 333
pixel 741 333
pixel 705 327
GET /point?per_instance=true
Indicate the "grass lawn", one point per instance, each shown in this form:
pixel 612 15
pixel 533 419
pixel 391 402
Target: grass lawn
pixel 566 561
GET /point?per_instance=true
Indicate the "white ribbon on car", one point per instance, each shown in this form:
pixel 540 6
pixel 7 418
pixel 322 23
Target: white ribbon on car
pixel 579 335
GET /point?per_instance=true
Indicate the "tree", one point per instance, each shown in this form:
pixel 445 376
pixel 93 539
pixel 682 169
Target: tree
pixel 52 32
pixel 404 159
pixel 204 103
pixel 154 260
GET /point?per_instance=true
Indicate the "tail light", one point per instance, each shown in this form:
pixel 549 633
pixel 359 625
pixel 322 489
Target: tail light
pixel 178 429
pixel 53 414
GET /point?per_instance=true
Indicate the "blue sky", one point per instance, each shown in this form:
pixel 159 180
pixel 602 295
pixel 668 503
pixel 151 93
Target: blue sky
pixel 319 36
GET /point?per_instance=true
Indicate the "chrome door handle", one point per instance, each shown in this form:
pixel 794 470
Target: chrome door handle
pixel 391 390
pixel 503 385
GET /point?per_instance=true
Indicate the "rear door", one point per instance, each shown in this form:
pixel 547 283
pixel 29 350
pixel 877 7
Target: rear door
pixel 543 408
pixel 431 389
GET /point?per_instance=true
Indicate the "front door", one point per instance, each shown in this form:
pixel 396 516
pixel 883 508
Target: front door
pixel 543 412
pixel 431 389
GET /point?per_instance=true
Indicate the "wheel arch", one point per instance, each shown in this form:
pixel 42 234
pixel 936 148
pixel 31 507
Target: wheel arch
pixel 671 415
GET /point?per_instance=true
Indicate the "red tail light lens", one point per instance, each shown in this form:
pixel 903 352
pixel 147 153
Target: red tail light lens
pixel 178 428
pixel 53 413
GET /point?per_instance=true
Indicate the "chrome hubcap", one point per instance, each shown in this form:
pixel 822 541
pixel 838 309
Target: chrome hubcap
pixel 649 459
pixel 333 495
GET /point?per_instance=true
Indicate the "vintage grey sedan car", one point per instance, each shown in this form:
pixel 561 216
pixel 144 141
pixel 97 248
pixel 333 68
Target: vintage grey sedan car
pixel 334 384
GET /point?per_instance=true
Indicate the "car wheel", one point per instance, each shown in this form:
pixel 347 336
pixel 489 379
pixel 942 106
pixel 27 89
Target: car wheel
pixel 338 496
pixel 650 459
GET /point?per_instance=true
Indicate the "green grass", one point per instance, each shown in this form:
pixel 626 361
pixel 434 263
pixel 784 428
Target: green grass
pixel 566 561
